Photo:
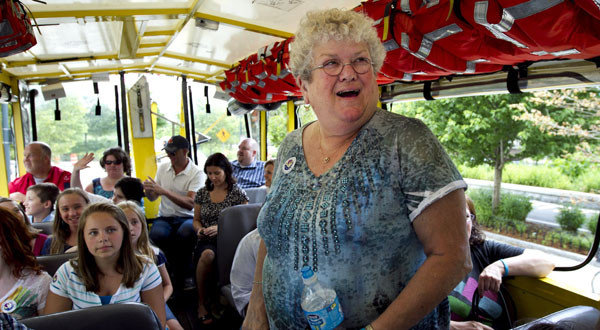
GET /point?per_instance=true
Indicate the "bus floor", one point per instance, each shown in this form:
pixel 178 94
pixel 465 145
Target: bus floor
pixel 184 304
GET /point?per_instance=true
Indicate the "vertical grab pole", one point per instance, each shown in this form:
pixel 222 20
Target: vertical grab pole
pixel 193 125
pixel 118 117
pixel 247 123
pixel 124 112
pixel 263 135
pixel 186 116
pixel 32 95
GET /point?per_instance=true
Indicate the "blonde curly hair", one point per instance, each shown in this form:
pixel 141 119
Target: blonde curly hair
pixel 332 24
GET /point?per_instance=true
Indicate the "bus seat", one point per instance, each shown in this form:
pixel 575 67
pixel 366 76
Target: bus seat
pixel 46 227
pixel 114 316
pixel 51 263
pixel 234 223
pixel 576 317
pixel 256 195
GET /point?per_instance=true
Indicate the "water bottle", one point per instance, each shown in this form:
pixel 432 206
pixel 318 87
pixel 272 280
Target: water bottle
pixel 319 303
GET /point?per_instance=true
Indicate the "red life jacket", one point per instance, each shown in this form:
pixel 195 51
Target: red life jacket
pixel 61 178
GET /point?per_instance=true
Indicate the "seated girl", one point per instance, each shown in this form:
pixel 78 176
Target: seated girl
pixel 69 205
pixel 141 244
pixel 107 270
pixel 38 238
pixel 23 285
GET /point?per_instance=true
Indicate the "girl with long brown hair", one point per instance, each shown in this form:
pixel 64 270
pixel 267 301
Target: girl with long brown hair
pixel 107 270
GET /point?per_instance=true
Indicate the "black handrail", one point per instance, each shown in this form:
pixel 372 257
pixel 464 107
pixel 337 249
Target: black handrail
pixel 590 255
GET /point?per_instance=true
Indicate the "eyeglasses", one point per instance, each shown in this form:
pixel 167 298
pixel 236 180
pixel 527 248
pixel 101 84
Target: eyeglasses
pixel 470 217
pixel 334 67
pixel 110 162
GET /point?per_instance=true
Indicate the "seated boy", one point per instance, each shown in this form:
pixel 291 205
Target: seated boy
pixel 39 202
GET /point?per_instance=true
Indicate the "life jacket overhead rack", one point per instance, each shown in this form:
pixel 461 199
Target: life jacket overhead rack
pixel 16 32
pixel 263 77
pixel 429 39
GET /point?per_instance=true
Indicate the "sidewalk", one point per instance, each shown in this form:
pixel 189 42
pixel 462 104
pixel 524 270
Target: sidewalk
pixel 549 195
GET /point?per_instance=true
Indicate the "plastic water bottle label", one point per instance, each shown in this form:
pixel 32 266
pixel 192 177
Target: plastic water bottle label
pixel 327 318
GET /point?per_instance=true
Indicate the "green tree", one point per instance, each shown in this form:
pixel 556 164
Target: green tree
pixel 582 104
pixel 487 130
pixel 62 135
pixel 101 133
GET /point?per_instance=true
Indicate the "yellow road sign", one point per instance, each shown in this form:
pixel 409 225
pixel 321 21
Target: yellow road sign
pixel 223 135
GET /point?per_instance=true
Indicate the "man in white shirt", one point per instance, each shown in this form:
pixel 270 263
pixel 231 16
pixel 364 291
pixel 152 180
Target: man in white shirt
pixel 176 183
pixel 242 270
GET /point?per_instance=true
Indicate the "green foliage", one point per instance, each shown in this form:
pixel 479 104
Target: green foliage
pixel 488 129
pixel 571 166
pixel 482 198
pixel 62 135
pixel 592 222
pixel 538 176
pixel 586 243
pixel 588 181
pixel 514 207
pixel 570 218
pixel 480 172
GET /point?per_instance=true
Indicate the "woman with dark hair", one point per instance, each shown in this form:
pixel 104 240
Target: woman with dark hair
pixel 107 270
pixel 491 262
pixel 38 240
pixel 23 285
pixel 129 189
pixel 220 192
pixel 114 161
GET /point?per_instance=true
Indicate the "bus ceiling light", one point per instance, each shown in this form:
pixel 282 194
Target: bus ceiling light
pixel 207 24
pixel 53 91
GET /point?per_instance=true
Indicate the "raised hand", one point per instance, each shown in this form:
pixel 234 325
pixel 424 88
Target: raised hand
pixel 83 162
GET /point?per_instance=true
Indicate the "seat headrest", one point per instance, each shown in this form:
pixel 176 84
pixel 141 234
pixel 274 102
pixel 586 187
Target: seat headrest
pixel 123 316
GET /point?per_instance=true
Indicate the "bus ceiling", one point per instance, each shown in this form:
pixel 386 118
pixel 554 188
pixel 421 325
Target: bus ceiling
pixel 242 46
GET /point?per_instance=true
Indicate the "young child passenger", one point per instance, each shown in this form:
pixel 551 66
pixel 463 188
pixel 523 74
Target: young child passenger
pixel 39 202
pixel 141 244
pixel 69 206
pixel 107 270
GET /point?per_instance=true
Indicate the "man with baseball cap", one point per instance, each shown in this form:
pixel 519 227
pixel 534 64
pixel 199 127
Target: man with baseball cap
pixel 176 183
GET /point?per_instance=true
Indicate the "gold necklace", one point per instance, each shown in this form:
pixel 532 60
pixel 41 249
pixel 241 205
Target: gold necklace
pixel 325 158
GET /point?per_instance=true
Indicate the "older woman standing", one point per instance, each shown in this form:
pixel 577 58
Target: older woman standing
pixel 367 198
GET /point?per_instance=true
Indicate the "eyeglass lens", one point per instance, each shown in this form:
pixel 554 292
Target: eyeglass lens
pixel 110 162
pixel 334 68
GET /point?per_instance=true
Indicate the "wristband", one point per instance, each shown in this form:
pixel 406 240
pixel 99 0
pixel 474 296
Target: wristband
pixel 505 268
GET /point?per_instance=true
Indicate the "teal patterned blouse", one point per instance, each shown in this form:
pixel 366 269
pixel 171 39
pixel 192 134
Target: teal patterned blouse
pixel 353 224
